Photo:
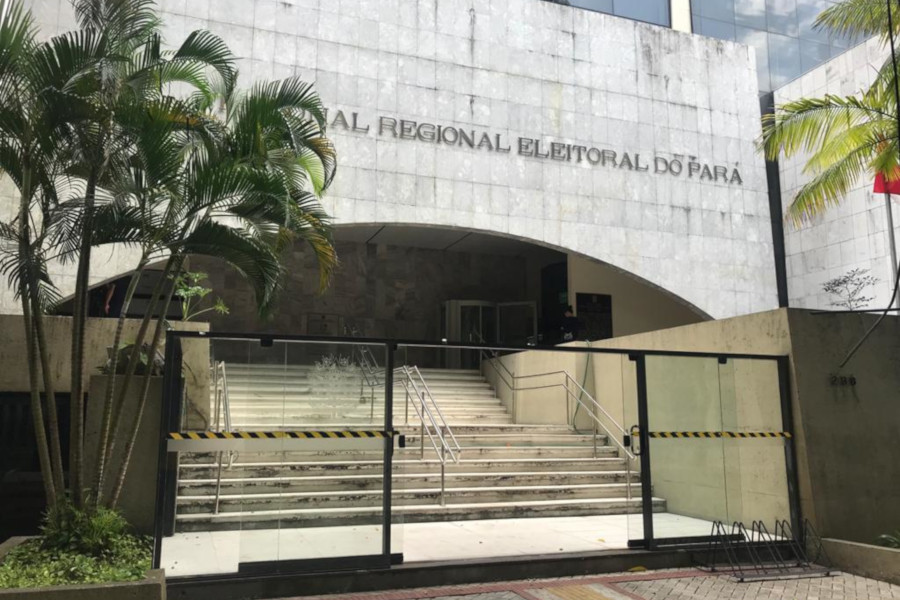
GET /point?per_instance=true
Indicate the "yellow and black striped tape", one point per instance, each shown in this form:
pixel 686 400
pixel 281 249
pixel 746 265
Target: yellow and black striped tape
pixel 718 434
pixel 275 435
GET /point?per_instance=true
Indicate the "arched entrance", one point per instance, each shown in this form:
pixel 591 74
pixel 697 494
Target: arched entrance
pixel 430 283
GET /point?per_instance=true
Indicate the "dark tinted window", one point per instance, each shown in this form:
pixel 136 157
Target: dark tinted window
pixel 605 6
pixel 649 11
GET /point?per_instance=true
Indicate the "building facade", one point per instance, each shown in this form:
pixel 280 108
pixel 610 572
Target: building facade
pixel 595 134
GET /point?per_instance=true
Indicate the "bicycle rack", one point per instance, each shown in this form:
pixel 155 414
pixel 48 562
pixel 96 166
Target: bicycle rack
pixel 756 554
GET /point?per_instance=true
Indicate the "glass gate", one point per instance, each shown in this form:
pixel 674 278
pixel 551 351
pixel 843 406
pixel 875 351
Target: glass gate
pixel 714 439
pixel 289 455
pixel 276 458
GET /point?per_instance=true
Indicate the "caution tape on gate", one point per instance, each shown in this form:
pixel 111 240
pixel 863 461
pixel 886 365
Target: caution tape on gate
pixel 275 435
pixel 717 434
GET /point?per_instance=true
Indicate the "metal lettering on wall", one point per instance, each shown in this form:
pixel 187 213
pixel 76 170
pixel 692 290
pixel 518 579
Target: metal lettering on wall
pixel 479 139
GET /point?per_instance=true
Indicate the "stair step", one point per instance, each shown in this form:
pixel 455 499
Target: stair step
pixel 467 440
pixel 401 466
pixel 470 453
pixel 200 487
pixel 319 421
pixel 409 514
pixel 289 409
pixel 359 498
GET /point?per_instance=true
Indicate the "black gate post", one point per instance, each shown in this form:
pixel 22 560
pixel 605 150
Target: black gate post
pixel 640 361
pixel 790 446
pixel 167 465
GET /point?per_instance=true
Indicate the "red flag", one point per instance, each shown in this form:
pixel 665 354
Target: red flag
pixel 883 186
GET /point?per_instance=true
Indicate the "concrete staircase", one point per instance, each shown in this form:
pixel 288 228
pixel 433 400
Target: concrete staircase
pixel 505 470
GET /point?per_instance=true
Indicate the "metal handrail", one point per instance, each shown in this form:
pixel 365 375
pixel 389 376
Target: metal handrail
pixel 221 393
pixel 514 387
pixel 368 366
pixel 437 407
pixel 442 430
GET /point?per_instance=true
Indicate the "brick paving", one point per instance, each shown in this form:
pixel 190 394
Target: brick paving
pixel 650 585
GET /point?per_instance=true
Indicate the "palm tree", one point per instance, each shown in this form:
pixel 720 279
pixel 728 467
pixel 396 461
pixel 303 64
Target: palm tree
pixel 845 138
pixel 30 116
pixel 249 188
pixel 103 154
pixel 129 68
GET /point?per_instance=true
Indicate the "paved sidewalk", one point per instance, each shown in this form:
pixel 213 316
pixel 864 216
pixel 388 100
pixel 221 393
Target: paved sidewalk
pixel 650 585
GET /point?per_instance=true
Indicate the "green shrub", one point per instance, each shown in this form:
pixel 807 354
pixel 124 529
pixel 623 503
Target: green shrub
pixel 889 540
pixel 78 546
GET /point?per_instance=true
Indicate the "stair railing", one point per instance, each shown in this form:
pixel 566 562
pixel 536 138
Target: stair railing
pixel 222 409
pixel 431 421
pixel 570 385
pixel 368 366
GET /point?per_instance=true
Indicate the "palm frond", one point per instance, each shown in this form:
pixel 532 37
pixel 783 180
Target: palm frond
pixel 804 125
pixel 857 19
pixel 256 261
pixel 205 48
pixel 17 33
pixel 830 186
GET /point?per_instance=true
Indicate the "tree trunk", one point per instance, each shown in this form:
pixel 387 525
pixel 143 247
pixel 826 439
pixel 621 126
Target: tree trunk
pixel 106 423
pixel 49 390
pixel 79 320
pixel 37 412
pixel 142 403
pixel 133 361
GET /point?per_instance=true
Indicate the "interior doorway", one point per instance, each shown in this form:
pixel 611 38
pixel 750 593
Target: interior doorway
pixel 482 322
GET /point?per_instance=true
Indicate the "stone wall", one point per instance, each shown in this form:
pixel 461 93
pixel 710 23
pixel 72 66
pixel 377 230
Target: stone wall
pixel 592 108
pixel 385 291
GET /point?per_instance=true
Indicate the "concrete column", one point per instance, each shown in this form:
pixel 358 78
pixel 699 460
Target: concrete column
pixel 681 15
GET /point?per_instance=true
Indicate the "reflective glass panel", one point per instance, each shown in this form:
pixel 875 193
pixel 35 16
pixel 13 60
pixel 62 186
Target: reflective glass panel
pixel 807 11
pixel 650 11
pixel 782 16
pixel 604 6
pixel 813 54
pixel 721 10
pixel 716 29
pixel 750 13
pixel 784 59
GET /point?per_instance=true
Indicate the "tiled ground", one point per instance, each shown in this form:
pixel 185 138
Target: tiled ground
pixel 655 585
pixel 201 553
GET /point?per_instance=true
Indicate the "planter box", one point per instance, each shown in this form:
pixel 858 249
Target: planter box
pixel 138 500
pixel 865 560
pixel 153 587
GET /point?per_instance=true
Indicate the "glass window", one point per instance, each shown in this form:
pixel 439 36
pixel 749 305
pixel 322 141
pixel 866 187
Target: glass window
pixel 807 11
pixel 750 13
pixel 784 59
pixel 812 54
pixel 604 6
pixel 721 10
pixel 649 11
pixel 782 17
pixel 713 28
